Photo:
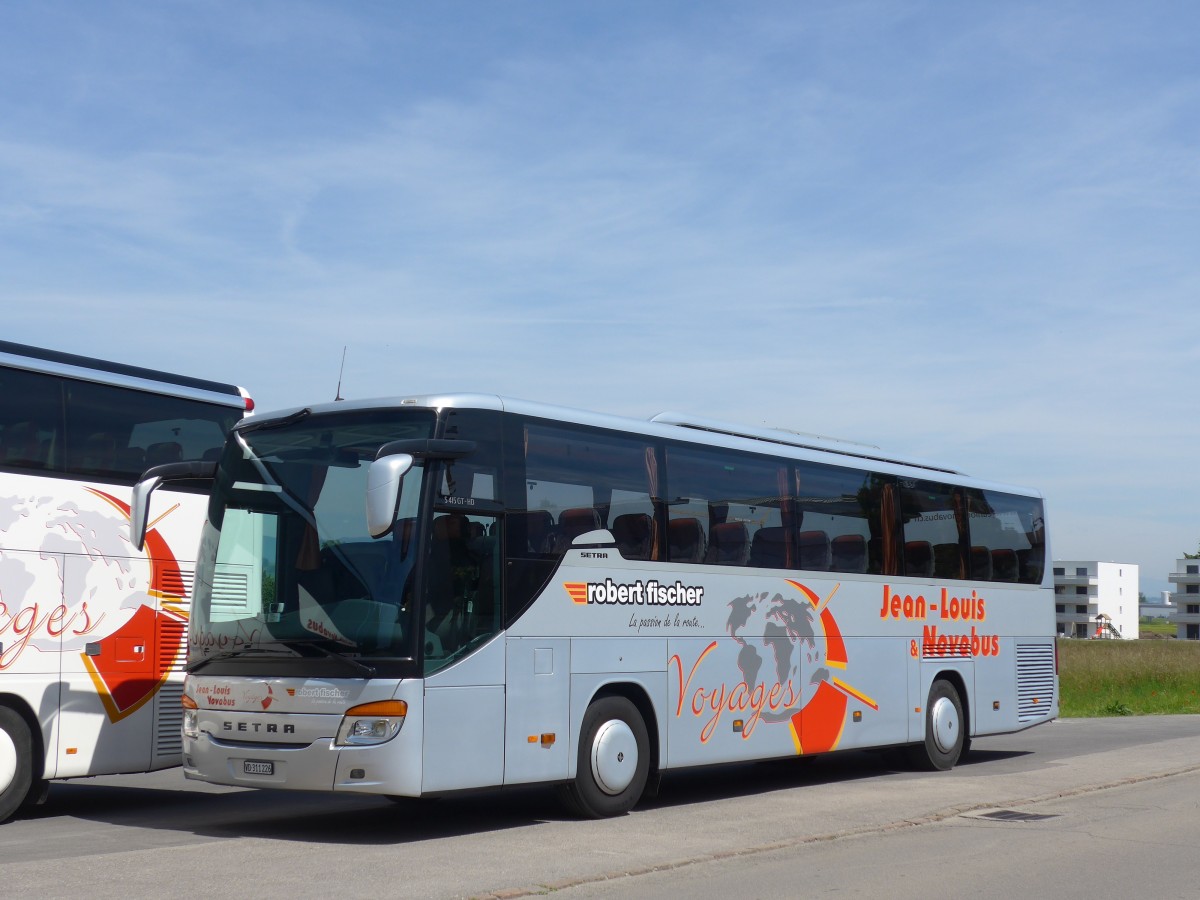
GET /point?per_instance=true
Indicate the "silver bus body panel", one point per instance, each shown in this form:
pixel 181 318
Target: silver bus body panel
pixel 296 730
pixel 793 676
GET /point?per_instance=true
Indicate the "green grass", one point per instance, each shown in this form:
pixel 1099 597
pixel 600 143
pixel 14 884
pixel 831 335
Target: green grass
pixel 1157 628
pixel 1128 678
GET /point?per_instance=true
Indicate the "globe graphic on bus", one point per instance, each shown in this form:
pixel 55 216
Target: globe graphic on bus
pixel 53 597
pixel 776 635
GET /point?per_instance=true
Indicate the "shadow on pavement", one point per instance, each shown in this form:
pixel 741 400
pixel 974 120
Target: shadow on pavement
pixel 159 802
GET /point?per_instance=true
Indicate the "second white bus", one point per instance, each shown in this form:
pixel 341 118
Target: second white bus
pixel 92 631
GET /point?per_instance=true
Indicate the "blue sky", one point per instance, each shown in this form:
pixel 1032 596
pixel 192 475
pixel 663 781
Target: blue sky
pixel 962 231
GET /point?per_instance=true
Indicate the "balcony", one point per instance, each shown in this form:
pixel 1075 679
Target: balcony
pixel 1076 618
pixel 1182 576
pixel 1079 580
pixel 1182 617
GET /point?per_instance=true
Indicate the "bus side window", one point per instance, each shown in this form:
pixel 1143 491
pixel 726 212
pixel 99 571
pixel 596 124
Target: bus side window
pixel 31 427
pixel 935 530
pixel 841 519
pixel 1007 536
pixel 727 508
pixel 563 480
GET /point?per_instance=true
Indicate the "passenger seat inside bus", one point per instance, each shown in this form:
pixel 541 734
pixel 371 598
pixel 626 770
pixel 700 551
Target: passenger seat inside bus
pixel 23 448
pixel 815 552
pixel 848 553
pixel 574 522
pixel 728 544
pixel 163 452
pixel 768 548
pixel 99 452
pixel 918 559
pixel 685 540
pixel 947 561
pixel 981 564
pixel 634 534
pixel 1004 565
pixel 537 528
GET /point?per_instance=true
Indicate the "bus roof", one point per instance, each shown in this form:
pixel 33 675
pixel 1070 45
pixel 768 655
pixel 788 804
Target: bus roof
pixel 668 425
pixel 38 359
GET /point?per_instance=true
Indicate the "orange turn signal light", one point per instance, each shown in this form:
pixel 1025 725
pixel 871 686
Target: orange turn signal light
pixel 394 708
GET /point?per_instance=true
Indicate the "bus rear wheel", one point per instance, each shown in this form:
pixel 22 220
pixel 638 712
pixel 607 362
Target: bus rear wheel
pixel 945 730
pixel 16 762
pixel 613 763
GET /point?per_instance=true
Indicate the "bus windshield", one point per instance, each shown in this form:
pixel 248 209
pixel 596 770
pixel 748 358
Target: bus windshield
pixel 287 566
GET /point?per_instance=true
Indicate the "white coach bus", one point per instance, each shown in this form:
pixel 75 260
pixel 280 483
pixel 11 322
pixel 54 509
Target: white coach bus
pixel 537 594
pixel 92 630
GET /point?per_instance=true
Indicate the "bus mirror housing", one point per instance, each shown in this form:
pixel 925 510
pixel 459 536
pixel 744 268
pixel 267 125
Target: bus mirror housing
pixel 151 480
pixel 386 473
pixel 384 479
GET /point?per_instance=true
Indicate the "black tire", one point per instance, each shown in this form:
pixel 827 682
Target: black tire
pixel 16 762
pixel 945 730
pixel 613 763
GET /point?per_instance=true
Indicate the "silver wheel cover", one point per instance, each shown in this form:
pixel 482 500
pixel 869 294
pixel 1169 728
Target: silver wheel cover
pixel 943 720
pixel 614 756
pixel 8 760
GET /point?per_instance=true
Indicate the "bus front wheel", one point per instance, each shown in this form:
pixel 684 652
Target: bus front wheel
pixel 945 729
pixel 613 763
pixel 16 762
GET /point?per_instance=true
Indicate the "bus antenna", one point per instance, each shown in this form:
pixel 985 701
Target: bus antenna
pixel 342 369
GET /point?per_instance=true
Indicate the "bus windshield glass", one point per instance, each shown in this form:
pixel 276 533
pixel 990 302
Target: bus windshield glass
pixel 287 566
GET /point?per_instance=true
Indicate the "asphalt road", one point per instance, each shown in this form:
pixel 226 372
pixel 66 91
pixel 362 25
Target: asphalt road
pixel 1119 796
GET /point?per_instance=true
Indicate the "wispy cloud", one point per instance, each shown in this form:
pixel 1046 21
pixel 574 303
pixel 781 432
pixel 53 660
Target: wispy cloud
pixel 963 233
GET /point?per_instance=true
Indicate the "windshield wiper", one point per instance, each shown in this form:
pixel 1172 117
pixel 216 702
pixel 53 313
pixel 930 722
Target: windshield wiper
pixel 229 654
pixel 319 644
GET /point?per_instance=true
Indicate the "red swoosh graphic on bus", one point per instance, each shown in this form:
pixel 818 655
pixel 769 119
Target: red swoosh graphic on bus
pixel 135 660
pixel 818 725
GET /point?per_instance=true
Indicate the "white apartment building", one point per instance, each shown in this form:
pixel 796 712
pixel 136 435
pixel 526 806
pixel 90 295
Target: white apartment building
pixel 1186 598
pixel 1097 599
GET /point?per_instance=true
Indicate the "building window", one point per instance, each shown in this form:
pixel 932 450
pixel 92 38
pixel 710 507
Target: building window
pixel 1193 632
pixel 1081 590
pixel 1193 609
pixel 1059 570
pixel 1081 610
pixel 1081 571
pixel 1060 608
pixel 1192 570
pixel 1060 589
pixel 1192 589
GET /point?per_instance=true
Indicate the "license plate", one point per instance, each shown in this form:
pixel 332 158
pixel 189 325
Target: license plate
pixel 258 767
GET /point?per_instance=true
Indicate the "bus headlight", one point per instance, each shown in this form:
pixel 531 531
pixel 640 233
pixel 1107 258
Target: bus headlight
pixel 191 725
pixel 371 723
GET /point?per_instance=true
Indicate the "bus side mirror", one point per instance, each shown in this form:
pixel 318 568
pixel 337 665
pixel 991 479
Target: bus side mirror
pixel 139 510
pixel 384 480
pixel 151 480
